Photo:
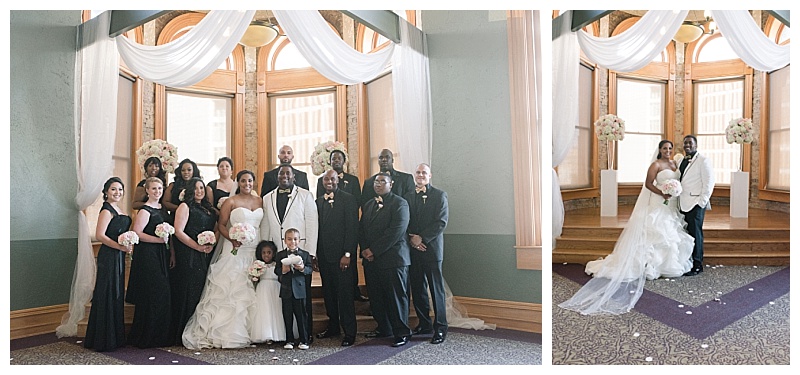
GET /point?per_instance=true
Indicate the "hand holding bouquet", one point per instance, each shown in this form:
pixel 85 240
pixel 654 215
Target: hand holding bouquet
pixel 128 239
pixel 256 270
pixel 242 232
pixel 672 187
pixel 206 238
pixel 164 230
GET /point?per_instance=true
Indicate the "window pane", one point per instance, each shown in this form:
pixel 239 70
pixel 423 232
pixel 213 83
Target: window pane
pixel 716 103
pixel 290 58
pixel 302 121
pixel 200 127
pixel 381 121
pixel 717 49
pixel 778 143
pixel 575 171
pixel 641 105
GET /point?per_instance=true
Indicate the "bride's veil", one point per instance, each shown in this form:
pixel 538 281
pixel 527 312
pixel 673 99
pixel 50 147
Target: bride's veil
pixel 619 282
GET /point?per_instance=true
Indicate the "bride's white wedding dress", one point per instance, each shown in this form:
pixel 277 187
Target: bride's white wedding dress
pixel 225 313
pixel 653 244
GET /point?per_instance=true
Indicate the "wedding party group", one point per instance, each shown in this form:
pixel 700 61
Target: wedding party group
pixel 218 266
pixel 663 237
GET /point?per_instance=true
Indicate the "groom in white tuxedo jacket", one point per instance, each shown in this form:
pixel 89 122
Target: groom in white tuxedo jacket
pixel 290 206
pixel 697 183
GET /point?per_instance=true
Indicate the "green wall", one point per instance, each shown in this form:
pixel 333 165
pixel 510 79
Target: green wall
pixel 43 216
pixel 472 157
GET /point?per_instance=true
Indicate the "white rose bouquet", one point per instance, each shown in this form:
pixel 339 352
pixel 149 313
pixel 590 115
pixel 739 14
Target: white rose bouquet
pixel 256 270
pixel 206 238
pixel 164 230
pixel 242 232
pixel 672 187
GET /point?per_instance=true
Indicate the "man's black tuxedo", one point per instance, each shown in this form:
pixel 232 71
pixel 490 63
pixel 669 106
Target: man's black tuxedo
pixel 428 219
pixel 403 183
pixel 349 184
pixel 383 232
pixel 338 234
pixel 270 181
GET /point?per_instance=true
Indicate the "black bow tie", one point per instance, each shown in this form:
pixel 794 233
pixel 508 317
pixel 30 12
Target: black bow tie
pixel 284 191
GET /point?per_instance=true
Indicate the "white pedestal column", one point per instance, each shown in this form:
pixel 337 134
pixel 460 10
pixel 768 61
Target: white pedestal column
pixel 740 193
pixel 608 192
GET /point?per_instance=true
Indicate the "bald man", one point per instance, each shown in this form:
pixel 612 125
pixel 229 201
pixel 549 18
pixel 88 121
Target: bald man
pixel 270 182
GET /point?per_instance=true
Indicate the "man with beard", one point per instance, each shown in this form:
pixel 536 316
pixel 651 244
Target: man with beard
pixel 270 182
pixel 403 182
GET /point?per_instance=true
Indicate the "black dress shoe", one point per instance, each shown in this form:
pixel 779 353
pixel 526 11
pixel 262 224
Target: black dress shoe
pixel 421 331
pixel 348 341
pixel 400 341
pixel 326 334
pixel 360 298
pixel 375 334
pixel 438 338
pixel 694 272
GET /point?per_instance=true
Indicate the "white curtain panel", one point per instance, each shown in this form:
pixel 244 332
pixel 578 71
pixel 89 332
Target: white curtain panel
pixel 327 52
pixel 637 46
pixel 192 57
pixel 411 87
pixel 95 127
pixel 749 42
pixel 566 55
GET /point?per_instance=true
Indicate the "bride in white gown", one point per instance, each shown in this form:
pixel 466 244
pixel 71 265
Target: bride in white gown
pixel 653 244
pixel 225 313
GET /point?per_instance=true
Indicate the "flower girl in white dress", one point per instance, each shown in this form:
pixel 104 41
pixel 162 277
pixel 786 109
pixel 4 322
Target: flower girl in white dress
pixel 268 323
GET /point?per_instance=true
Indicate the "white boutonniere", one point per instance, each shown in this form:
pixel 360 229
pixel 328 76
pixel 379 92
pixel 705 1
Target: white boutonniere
pixel 330 201
pixel 424 197
pixel 346 182
pixel 678 158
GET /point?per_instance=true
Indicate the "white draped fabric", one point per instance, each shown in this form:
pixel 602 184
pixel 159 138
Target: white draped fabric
pixel 327 52
pixel 192 57
pixel 412 100
pixel 95 119
pixel 637 46
pixel 566 55
pixel 749 42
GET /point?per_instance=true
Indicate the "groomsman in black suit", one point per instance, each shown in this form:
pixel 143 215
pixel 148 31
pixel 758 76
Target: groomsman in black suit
pixel 270 182
pixel 386 258
pixel 403 182
pixel 337 240
pixel 349 184
pixel 428 211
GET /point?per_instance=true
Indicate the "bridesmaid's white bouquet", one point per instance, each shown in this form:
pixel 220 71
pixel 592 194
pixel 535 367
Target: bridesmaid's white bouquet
pixel 672 187
pixel 256 270
pixel 242 232
pixel 221 200
pixel 128 238
pixel 206 238
pixel 164 230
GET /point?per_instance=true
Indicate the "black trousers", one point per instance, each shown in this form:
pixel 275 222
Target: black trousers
pixel 393 292
pixel 377 305
pixel 295 307
pixel 309 314
pixel 422 276
pixel 694 225
pixel 338 294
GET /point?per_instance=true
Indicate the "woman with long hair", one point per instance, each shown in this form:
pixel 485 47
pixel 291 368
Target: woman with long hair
pixel 152 168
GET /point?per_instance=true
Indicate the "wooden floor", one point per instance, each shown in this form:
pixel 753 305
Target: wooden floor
pixel 760 239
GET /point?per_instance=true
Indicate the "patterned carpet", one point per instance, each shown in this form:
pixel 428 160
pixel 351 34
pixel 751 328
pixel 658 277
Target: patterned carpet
pixel 735 315
pixel 462 347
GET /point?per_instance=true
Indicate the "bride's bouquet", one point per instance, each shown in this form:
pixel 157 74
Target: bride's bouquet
pixel 256 270
pixel 164 230
pixel 206 238
pixel 242 232
pixel 671 187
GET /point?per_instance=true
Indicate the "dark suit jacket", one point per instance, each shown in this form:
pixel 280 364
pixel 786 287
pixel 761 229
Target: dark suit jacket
pixel 428 218
pixel 403 183
pixel 293 283
pixel 338 227
pixel 383 231
pixel 349 184
pixel 270 181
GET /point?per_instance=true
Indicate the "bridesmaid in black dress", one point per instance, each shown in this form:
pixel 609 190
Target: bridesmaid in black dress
pixel 106 328
pixel 152 168
pixel 186 170
pixel 148 283
pixel 191 259
pixel 224 185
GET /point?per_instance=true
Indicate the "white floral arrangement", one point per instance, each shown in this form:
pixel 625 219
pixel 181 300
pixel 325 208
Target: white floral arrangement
pixel 164 230
pixel 242 232
pixel 206 238
pixel 221 201
pixel 321 157
pixel 740 130
pixel 256 270
pixel 672 187
pixel 610 128
pixel 128 238
pixel 167 153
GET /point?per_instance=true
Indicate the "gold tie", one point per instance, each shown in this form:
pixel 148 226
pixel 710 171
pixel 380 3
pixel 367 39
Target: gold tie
pixel 328 196
pixel 420 189
pixel 281 191
pixel 379 199
pixel 341 176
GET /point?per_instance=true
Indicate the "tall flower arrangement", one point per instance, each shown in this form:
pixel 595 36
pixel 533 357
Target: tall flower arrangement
pixel 740 131
pixel 321 157
pixel 166 152
pixel 610 128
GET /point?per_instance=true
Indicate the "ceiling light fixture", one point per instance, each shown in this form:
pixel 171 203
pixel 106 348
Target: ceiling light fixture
pixel 259 33
pixel 689 31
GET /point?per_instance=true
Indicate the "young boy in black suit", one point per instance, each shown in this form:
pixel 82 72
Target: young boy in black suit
pixel 292 266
